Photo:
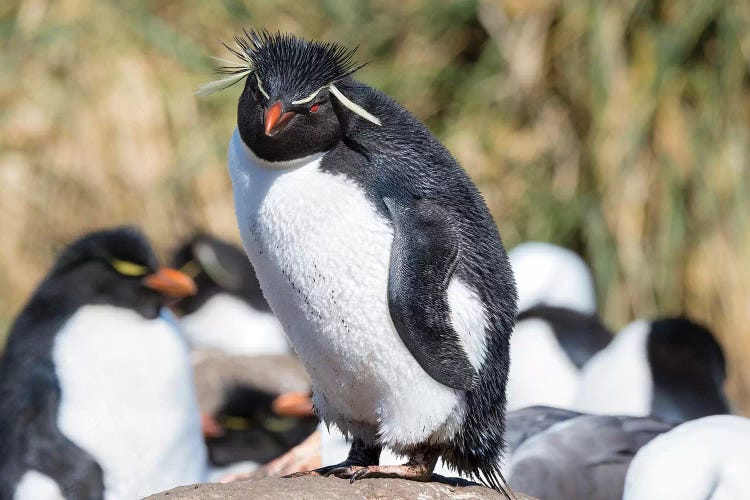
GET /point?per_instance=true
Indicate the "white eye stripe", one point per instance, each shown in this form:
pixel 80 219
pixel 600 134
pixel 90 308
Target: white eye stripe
pixel 260 87
pixel 308 98
pixel 353 107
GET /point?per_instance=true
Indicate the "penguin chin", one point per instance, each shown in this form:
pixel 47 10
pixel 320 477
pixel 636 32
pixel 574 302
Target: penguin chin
pixel 150 311
pixel 255 157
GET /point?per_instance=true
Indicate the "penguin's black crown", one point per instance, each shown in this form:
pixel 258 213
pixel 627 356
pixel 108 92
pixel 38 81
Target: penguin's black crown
pixel 287 65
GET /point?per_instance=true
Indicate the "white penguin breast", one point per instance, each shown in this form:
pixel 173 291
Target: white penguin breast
pixel 617 380
pixel 540 371
pixel 128 399
pixel 229 323
pixel 701 459
pixel 37 486
pixel 322 254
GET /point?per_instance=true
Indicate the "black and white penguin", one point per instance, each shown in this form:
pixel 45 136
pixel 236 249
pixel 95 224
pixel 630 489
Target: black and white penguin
pixel 229 311
pixel 671 368
pixel 96 394
pixel 379 257
pixel 585 456
pixel 704 459
pixel 557 330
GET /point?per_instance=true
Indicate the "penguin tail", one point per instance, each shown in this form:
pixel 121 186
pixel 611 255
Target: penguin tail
pixel 493 478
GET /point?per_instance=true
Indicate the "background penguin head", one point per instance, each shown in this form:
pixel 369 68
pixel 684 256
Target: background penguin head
pixel 288 109
pixel 688 369
pixel 216 266
pixel 116 267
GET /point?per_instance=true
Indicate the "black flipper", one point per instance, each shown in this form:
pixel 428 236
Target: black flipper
pixel 43 447
pixel 426 250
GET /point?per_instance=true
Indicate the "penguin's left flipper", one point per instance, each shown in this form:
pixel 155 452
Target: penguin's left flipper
pixel 49 451
pixel 425 252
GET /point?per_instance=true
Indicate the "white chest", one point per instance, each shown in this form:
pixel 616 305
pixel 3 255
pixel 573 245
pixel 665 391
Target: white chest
pixel 128 400
pixel 322 254
pixel 228 323
pixel 540 371
pixel 617 380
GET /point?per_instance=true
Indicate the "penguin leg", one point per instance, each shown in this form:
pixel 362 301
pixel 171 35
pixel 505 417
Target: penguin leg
pixel 361 455
pixel 419 468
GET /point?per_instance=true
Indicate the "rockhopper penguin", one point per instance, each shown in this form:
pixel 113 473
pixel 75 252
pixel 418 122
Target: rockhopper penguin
pixel 96 394
pixel 379 257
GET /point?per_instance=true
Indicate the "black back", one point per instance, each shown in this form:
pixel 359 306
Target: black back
pixel 580 335
pixel 217 266
pixel 29 389
pixel 688 370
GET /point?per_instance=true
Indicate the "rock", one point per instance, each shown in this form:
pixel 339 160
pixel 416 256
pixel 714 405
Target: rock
pixel 314 488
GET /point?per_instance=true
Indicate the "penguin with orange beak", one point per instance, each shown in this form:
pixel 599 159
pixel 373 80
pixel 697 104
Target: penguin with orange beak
pixel 96 394
pixel 379 257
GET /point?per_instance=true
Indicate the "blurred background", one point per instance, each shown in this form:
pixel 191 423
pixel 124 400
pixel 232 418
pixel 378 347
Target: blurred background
pixel 618 129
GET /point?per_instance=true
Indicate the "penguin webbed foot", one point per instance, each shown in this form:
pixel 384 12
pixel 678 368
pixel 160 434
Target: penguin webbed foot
pixel 418 468
pixel 412 472
pixel 360 455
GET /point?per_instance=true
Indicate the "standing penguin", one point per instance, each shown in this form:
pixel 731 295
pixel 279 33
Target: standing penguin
pixel 379 257
pixel 96 395
pixel 228 312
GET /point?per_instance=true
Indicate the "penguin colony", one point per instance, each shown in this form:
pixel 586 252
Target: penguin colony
pixel 379 261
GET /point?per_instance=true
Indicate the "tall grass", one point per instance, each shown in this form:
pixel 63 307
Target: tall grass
pixel 620 129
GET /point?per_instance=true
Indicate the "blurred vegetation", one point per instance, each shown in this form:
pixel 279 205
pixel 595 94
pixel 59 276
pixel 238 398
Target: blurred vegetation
pixel 619 129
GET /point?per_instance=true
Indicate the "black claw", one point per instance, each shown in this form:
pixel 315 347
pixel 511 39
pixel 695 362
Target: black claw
pixel 361 473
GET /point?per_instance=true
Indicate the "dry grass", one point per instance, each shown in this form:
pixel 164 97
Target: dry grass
pixel 620 129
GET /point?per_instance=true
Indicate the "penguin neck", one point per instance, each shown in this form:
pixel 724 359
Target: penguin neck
pixel 277 165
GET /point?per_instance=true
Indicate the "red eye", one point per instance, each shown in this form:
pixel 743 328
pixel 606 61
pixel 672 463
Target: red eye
pixel 314 108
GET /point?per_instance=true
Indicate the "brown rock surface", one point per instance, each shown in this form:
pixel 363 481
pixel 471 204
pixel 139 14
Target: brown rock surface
pixel 314 488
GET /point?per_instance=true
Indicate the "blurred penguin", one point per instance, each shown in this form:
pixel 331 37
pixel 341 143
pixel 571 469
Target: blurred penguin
pixel 704 459
pixel 228 312
pixel 96 390
pixel 557 329
pixel 581 457
pixel 672 368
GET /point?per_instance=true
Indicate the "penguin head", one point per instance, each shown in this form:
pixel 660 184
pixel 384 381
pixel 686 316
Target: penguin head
pixel 688 369
pixel 216 266
pixel 290 107
pixel 116 267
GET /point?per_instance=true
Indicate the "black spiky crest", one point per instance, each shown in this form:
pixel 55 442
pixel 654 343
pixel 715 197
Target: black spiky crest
pixel 302 65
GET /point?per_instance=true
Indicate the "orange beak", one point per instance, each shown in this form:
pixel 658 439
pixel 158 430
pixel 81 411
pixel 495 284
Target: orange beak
pixel 293 404
pixel 274 121
pixel 171 282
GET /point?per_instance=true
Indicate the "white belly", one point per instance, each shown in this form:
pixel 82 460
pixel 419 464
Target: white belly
pixel 228 323
pixel 322 254
pixel 540 371
pixel 702 459
pixel 617 380
pixel 128 400
pixel 37 486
